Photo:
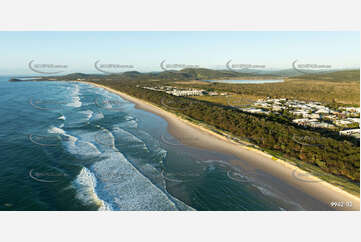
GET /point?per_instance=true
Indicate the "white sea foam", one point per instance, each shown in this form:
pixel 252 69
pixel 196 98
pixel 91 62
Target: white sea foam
pixel 268 192
pixel 83 149
pixel 76 90
pixel 76 103
pixel 112 182
pixel 75 98
pixel 62 117
pixel 78 119
pixel 121 186
pixel 130 122
pixel 98 116
pixel 105 137
pixel 88 114
pixel 129 117
pixel 85 184
pixel 56 130
pixel 74 145
pixel 125 188
pixel 124 136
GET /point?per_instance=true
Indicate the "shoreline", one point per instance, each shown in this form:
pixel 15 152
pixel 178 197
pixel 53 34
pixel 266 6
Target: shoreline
pixel 196 135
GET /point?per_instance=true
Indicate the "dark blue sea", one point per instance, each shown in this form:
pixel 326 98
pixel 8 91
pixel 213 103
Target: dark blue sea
pixel 72 146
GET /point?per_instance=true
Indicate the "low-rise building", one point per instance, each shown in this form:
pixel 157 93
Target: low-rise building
pixel 301 121
pixel 323 110
pixel 342 122
pixel 354 120
pixel 302 113
pixel 351 132
pixel 321 125
pixel 351 109
pixel 277 108
pixel 313 116
pixel 254 110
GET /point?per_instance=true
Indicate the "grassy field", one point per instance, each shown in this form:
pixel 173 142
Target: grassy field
pixel 336 88
pixel 327 92
pixel 230 100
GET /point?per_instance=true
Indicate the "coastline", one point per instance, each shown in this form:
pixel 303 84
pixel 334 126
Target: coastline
pixel 201 137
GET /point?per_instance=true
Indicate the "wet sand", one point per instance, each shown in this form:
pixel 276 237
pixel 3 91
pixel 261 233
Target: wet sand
pixel 310 192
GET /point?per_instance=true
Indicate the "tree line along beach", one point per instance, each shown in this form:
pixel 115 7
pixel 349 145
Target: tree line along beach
pixel 288 177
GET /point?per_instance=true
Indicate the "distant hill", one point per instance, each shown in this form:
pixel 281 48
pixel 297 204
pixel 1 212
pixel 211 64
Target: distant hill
pixel 15 80
pixel 282 73
pixel 78 75
pixel 337 76
pixel 191 74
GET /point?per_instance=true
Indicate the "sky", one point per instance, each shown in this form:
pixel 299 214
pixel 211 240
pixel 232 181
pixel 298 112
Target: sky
pixel 143 50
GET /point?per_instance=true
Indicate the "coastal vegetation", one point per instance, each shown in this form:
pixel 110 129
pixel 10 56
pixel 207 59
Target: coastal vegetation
pixel 334 89
pixel 331 153
pixel 335 158
pixel 330 89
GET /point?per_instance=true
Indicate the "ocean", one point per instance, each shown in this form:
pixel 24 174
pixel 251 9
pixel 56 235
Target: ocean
pixel 70 146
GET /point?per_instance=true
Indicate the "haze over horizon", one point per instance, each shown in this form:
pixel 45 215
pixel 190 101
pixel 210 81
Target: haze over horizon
pixel 146 50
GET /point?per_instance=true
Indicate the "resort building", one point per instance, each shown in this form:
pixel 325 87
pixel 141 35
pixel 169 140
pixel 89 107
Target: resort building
pixel 351 132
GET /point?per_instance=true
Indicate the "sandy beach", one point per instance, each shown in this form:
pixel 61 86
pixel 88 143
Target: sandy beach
pixel 285 173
